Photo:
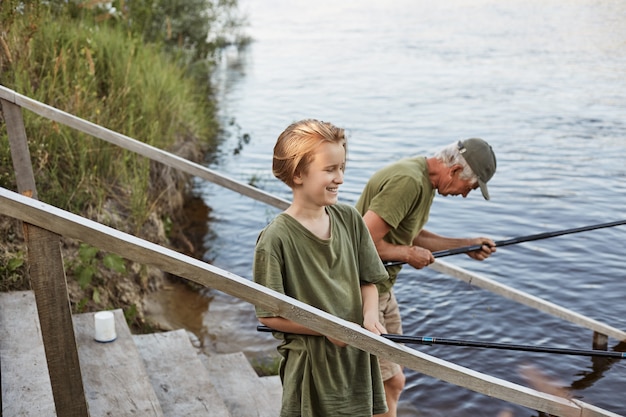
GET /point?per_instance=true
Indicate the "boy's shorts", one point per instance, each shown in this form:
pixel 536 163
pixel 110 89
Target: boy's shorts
pixel 389 316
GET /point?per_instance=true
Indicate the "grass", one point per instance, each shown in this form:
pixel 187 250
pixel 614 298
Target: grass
pixel 268 366
pixel 96 65
pixel 103 75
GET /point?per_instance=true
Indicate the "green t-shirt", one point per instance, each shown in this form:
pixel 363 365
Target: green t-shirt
pixel 320 378
pixel 401 194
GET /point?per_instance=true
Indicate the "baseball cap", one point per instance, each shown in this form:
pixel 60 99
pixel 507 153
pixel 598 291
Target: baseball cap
pixel 480 157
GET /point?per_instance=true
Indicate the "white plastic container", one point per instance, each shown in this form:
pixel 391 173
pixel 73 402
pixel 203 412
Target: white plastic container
pixel 104 323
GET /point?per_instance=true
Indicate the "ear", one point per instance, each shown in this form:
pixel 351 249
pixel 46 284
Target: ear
pixel 456 169
pixel 297 179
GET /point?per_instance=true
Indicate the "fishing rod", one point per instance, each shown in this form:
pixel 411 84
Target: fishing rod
pixel 423 340
pixel 515 240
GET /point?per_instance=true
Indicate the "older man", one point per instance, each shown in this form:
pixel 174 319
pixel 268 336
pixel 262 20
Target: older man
pixel 395 205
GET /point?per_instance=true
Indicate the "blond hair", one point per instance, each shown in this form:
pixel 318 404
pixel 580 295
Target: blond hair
pixel 296 146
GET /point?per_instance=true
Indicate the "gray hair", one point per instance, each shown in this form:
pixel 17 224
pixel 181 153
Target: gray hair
pixel 450 155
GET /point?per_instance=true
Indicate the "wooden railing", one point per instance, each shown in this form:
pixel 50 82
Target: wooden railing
pixel 44 224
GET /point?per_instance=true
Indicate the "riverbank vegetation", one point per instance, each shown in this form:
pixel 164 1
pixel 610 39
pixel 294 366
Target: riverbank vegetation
pixel 141 68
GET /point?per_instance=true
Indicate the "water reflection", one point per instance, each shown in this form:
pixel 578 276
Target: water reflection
pixel 599 365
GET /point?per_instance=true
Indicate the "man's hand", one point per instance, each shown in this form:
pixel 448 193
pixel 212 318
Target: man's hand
pixel 488 247
pixel 419 257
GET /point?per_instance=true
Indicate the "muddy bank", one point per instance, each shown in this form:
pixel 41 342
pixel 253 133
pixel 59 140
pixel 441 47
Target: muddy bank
pixel 218 322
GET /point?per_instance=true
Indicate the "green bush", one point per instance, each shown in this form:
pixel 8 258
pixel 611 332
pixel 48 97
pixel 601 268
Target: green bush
pixel 128 77
pixel 140 68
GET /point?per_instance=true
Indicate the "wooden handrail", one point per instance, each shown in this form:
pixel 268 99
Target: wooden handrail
pixel 47 279
pixel 66 224
pixel 148 253
pixel 526 299
pixel 140 148
pixel 260 195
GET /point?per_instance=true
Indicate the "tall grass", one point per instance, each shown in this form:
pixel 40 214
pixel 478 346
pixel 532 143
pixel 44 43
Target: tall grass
pixel 107 75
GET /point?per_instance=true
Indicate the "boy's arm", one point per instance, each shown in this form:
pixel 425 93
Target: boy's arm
pixel 287 326
pixel 369 294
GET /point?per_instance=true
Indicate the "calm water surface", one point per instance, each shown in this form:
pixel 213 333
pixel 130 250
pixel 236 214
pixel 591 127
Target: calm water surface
pixel 542 81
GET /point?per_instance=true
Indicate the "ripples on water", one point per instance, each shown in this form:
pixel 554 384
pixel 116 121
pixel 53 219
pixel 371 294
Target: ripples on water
pixel 542 81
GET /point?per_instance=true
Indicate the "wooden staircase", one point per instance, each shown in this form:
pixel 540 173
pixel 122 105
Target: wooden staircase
pixel 158 374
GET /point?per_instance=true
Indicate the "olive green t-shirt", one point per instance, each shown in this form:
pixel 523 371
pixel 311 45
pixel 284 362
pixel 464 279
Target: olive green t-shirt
pixel 320 378
pixel 401 194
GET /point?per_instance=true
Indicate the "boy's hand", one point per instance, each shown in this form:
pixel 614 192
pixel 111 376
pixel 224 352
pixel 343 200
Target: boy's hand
pixel 373 325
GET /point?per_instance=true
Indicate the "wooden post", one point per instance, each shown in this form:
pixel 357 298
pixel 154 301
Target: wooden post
pixel 600 341
pixel 49 283
pixel 20 154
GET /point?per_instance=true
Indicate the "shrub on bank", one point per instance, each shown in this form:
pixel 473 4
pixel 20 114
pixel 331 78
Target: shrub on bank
pixel 139 68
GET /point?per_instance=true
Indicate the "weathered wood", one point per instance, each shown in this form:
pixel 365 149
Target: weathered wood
pixel 600 341
pixel 527 299
pixel 140 148
pixel 274 388
pixel 115 379
pixel 260 195
pixel 48 282
pixel 20 154
pixel 170 360
pixel 141 251
pixel 47 278
pixel 287 307
pixel 26 390
pixel 240 386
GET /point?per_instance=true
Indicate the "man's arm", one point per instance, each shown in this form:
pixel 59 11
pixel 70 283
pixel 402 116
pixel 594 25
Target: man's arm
pixel 416 256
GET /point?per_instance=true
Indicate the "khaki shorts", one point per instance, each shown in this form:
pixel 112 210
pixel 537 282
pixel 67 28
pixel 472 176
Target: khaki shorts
pixel 389 316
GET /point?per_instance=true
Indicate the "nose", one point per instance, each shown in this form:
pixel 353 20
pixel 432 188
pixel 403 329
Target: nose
pixel 339 177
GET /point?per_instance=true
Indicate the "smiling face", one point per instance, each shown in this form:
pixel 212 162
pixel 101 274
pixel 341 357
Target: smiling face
pixel 319 184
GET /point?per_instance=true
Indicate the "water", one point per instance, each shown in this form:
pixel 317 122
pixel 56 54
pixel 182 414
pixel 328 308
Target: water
pixel 542 81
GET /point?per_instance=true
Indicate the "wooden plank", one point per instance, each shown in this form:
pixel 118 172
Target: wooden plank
pixel 20 155
pixel 140 148
pixel 588 410
pixel 240 386
pixel 274 389
pixel 150 152
pixel 115 379
pixel 47 278
pixel 144 252
pixel 527 299
pixel 259 195
pixel 26 390
pixel 48 282
pixel 170 360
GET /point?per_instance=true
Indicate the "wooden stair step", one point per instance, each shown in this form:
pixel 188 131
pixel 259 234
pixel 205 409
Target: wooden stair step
pixel 26 389
pixel 153 375
pixel 178 376
pixel 114 376
pixel 274 389
pixel 243 391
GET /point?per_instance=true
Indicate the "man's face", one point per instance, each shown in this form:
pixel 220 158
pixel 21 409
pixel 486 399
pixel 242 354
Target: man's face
pixel 453 184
